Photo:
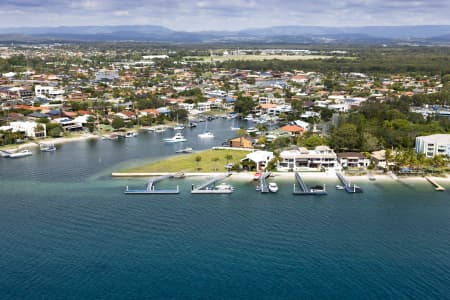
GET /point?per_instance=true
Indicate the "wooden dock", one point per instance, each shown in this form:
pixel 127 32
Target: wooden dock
pixel 151 187
pixel 207 187
pixel 304 189
pixel 436 185
pixel 347 186
pixel 263 185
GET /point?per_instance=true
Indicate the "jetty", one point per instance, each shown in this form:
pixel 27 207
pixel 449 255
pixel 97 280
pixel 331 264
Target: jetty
pixel 208 187
pixel 151 187
pixel 304 189
pixel 263 185
pixel 347 186
pixel 436 185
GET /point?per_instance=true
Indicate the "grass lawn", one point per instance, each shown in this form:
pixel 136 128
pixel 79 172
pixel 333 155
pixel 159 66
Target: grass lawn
pixel 187 162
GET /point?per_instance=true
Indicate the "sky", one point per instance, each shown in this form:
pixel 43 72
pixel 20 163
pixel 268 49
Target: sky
pixel 201 15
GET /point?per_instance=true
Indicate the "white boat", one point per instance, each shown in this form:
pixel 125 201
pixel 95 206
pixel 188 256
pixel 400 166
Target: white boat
pixel 339 187
pixel 178 137
pixel 224 186
pixel 131 134
pixel 160 129
pixel 249 118
pixel 206 135
pixel 21 153
pixel 185 150
pixel 47 147
pixel 252 130
pixel 179 127
pixel 273 187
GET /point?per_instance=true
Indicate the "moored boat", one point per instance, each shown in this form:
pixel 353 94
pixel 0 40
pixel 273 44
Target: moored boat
pixel 206 135
pixel 184 150
pixel 178 137
pixel 47 147
pixel 273 187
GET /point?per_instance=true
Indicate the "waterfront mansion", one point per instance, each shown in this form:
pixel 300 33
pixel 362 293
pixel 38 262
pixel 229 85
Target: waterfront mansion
pixel 303 159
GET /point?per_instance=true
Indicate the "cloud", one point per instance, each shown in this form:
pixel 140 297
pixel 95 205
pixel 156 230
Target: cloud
pixel 223 14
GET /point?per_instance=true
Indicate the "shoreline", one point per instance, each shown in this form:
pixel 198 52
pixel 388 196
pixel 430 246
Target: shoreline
pixel 287 175
pixel 55 141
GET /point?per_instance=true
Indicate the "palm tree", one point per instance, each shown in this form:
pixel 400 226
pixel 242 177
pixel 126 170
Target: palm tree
pixel 228 157
pixel 198 158
pixel 215 160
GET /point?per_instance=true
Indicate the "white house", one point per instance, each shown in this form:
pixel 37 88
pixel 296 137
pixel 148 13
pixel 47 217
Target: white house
pixel 353 160
pixel 30 128
pixel 260 158
pixel 106 75
pixel 47 91
pixel 304 159
pixel 431 145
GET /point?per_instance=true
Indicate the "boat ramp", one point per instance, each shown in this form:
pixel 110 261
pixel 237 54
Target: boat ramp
pixel 347 186
pixel 304 189
pixel 151 187
pixel 209 187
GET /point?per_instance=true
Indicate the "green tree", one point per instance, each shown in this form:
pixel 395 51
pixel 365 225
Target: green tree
pixel 198 159
pixel 118 123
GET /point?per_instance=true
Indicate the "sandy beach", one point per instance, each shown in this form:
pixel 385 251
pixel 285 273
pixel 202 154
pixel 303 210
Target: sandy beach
pixel 56 141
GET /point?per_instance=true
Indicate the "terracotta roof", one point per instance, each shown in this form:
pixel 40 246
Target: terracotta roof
pixel 292 128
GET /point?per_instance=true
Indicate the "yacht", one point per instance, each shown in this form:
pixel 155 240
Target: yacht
pixel 339 187
pixel 273 187
pixel 47 147
pixel 224 186
pixel 178 137
pixel 252 130
pixel 21 153
pixel 206 135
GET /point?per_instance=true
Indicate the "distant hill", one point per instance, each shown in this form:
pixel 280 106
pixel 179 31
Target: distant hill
pixel 280 34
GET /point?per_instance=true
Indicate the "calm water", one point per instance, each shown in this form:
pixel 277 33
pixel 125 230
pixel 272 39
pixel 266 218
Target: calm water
pixel 67 231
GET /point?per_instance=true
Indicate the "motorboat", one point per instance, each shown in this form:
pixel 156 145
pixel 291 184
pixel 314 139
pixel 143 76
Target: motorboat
pixel 206 135
pixel 131 134
pixel 192 125
pixel 252 130
pixel 224 186
pixel 179 127
pixel 47 147
pixel 339 187
pixel 21 153
pixel 178 137
pixel 110 137
pixel 273 187
pixel 184 150
pixel 317 188
pixel 160 129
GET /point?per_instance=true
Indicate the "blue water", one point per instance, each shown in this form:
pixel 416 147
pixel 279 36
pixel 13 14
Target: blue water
pixel 67 231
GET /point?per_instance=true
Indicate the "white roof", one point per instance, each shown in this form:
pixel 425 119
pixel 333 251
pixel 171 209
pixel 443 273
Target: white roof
pixel 259 156
pixel 436 138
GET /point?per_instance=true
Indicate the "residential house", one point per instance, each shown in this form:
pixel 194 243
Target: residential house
pixel 304 159
pixel 353 160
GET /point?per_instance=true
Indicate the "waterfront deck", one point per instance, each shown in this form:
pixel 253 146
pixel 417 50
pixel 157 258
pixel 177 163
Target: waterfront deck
pixel 347 186
pixel 263 185
pixel 207 187
pixel 151 187
pixel 436 185
pixel 304 189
